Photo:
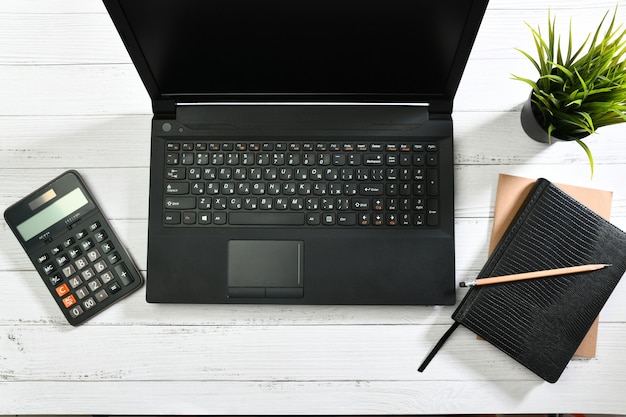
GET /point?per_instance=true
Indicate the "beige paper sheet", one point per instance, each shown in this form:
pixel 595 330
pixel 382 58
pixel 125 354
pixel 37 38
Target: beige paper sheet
pixel 511 193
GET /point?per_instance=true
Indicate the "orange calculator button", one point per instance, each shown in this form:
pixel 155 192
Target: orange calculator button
pixel 69 301
pixel 62 290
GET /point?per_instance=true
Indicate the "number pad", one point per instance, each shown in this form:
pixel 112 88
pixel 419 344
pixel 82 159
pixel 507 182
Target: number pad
pixel 86 269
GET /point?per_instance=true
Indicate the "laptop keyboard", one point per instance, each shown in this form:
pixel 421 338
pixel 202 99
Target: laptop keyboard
pixel 306 183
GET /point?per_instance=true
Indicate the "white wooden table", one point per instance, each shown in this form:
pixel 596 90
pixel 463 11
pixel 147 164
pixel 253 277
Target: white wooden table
pixel 70 98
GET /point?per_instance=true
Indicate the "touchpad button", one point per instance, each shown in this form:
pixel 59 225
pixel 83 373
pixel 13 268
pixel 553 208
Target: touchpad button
pixel 265 264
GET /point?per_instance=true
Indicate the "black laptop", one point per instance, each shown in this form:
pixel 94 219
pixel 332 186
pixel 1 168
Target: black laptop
pixel 302 151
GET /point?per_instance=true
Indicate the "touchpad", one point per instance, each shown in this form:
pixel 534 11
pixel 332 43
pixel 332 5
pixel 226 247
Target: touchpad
pixel 265 268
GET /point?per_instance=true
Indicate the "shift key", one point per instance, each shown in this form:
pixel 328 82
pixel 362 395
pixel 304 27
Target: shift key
pixel 180 203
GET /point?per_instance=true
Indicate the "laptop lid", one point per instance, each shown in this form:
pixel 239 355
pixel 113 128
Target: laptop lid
pixel 398 51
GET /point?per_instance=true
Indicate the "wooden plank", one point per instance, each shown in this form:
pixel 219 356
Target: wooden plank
pixel 481 138
pixel 51 36
pixel 472 237
pixel 52 6
pixel 278 353
pixel 297 397
pixel 95 6
pixel 72 89
pixel 475 185
pixel 55 39
pixel 69 38
pixel 117 89
pixel 81 37
pixel 28 303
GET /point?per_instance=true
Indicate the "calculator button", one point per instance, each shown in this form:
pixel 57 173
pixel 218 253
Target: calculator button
pixel 93 255
pixel 100 236
pixel 62 290
pixel 56 250
pixel 43 258
pixel 107 247
pixel 107 277
pixel 81 263
pixel 88 274
pixel 74 252
pixel 68 271
pixel 76 311
pixel 75 282
pixel 102 295
pixel 69 301
pixel 55 279
pixel 115 287
pixel 89 303
pixel 48 269
pixel 114 257
pixel 68 242
pixel 62 260
pixel 86 244
pixel 81 234
pixel 123 273
pixel 93 226
pixel 94 285
pixel 100 266
pixel 82 292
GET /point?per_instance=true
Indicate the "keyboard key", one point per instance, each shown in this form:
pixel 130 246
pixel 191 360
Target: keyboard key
pixel 371 189
pixel 373 160
pixel 267 218
pixel 346 219
pixel 177 188
pixel 432 212
pixel 180 203
pixel 432 184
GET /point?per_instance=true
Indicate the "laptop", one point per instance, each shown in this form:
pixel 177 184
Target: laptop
pixel 301 151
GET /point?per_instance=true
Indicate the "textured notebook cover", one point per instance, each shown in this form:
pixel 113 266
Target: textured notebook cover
pixel 511 194
pixel 541 322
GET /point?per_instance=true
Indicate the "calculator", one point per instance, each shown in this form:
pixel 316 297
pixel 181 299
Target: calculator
pixel 73 247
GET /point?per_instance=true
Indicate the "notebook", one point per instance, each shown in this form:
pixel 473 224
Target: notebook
pixel 541 322
pixel 512 192
pixel 301 152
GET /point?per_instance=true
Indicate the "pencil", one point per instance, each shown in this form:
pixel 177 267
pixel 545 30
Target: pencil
pixel 535 274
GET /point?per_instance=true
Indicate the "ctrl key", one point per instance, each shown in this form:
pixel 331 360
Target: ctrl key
pixel 125 276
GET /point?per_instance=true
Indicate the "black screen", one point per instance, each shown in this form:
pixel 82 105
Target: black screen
pixel 309 47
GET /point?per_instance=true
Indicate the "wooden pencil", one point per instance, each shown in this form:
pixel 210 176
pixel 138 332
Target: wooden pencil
pixel 534 274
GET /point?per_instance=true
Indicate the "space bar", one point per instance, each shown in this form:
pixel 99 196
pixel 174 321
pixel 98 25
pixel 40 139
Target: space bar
pixel 284 219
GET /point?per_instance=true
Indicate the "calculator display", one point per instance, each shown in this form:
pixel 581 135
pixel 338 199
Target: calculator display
pixel 60 209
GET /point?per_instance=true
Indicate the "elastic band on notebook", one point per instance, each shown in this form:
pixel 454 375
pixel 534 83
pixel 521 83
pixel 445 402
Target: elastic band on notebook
pixel 438 346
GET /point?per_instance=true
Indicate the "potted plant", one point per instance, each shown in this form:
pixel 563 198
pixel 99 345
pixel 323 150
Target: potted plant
pixel 576 92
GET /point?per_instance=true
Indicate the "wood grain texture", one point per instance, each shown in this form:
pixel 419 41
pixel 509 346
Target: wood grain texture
pixel 70 98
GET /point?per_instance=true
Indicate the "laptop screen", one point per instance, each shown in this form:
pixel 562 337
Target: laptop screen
pixel 299 47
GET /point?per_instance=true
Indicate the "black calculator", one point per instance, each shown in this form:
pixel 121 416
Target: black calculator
pixel 73 247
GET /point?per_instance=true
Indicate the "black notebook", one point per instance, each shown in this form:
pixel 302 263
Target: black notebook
pixel 541 322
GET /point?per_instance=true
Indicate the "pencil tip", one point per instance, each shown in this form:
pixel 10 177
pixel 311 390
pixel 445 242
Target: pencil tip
pixel 462 284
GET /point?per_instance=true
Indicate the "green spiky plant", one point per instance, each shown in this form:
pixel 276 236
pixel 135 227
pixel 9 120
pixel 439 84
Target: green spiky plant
pixel 582 91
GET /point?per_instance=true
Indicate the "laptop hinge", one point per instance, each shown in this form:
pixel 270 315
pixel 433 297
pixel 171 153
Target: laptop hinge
pixel 164 109
pixel 440 108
